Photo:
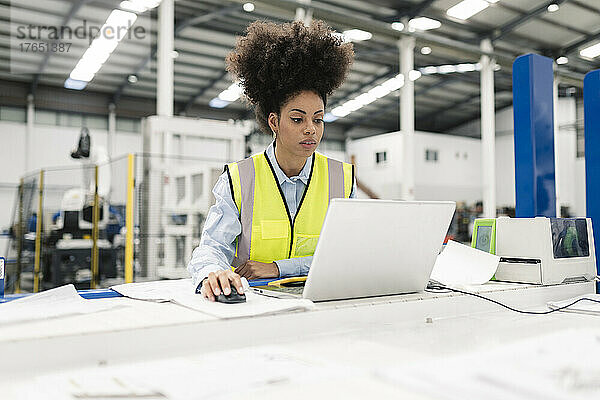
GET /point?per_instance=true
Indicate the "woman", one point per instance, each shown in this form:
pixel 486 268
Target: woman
pixel 270 207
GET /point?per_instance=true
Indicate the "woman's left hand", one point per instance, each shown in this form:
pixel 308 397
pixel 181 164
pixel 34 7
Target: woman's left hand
pixel 255 270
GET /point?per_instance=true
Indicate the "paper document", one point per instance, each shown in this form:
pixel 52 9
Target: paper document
pixel 582 307
pixel 57 302
pixel 560 366
pixel 160 291
pixel 208 376
pixel 182 292
pixel 464 265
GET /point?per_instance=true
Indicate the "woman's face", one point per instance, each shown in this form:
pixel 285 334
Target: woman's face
pixel 299 128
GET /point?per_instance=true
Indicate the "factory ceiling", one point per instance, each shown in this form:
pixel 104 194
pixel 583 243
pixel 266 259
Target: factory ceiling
pixel 206 31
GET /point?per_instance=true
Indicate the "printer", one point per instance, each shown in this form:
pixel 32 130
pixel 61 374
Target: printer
pixel 539 250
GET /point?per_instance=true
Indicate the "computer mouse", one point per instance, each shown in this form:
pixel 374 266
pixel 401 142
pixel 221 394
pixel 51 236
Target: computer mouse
pixel 232 298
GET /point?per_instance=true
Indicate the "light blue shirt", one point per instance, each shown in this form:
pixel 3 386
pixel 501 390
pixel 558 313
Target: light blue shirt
pixel 222 225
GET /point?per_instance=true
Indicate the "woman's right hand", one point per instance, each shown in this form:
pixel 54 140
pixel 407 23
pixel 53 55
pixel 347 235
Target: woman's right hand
pixel 221 281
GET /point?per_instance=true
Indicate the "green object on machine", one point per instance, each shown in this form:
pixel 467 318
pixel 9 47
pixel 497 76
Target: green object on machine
pixel 484 235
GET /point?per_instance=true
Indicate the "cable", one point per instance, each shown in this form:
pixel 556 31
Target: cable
pixel 442 287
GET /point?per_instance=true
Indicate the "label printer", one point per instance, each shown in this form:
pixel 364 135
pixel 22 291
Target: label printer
pixel 539 250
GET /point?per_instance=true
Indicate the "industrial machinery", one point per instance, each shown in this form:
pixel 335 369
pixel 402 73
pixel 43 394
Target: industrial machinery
pixel 539 250
pixel 69 244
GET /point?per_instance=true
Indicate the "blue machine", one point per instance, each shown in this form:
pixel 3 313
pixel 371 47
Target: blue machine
pixel 591 104
pixel 533 79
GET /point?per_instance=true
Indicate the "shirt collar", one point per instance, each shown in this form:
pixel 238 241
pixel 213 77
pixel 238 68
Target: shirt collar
pixel 281 176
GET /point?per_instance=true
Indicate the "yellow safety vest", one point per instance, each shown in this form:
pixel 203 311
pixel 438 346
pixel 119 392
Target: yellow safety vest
pixel 268 231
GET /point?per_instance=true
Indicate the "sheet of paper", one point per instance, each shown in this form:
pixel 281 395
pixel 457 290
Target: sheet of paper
pixel 560 366
pixel 222 375
pixel 161 291
pixel 255 304
pixel 463 265
pixel 181 292
pixel 582 307
pixel 53 303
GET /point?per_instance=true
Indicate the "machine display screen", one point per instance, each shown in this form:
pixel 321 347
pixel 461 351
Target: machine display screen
pixel 569 237
pixel 484 238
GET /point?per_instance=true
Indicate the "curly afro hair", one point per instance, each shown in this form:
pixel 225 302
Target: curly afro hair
pixel 274 62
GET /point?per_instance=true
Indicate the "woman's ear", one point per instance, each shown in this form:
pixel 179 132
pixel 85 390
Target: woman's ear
pixel 273 121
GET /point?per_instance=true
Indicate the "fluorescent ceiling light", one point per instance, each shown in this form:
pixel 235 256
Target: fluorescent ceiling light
pixel 248 7
pixel 366 98
pixel 75 84
pixel 139 6
pixel 329 117
pixel 353 105
pixel 466 68
pixel 446 69
pixel 414 75
pixel 562 60
pixel 379 91
pixel 553 7
pixel 232 93
pixel 132 79
pixel 591 52
pixel 429 70
pixel 218 103
pixel 112 32
pixel 394 83
pixel 340 111
pixel 399 26
pixel 357 35
pixel 424 23
pixel 425 50
pixel 467 8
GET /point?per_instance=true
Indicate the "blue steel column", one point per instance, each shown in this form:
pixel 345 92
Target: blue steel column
pixel 591 105
pixel 535 192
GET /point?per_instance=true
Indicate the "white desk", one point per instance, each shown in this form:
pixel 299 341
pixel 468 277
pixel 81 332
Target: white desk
pixel 366 336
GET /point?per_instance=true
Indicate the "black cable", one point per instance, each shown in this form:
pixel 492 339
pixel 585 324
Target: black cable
pixel 441 287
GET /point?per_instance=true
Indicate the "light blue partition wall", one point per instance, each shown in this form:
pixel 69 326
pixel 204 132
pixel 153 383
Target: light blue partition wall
pixel 591 105
pixel 533 78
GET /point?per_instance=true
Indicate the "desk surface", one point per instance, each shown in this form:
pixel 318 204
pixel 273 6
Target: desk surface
pixel 366 334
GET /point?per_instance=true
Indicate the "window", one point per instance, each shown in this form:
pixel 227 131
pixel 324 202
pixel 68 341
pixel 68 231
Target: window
pixel 380 157
pixel 70 119
pixel 128 124
pixel 43 117
pixel 197 186
pixel 180 185
pixel 96 121
pixel 431 155
pixel 13 114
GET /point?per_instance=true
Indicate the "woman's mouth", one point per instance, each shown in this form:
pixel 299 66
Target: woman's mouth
pixel 308 144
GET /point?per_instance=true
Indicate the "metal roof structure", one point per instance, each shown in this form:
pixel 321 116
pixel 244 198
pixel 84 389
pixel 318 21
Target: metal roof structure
pixel 206 31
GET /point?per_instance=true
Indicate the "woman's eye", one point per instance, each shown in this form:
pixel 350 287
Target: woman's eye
pixel 319 120
pixel 297 120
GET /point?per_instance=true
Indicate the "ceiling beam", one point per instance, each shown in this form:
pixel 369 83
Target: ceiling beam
pixel 192 100
pixel 66 19
pixel 574 46
pixel 420 8
pixel 178 28
pixel 511 25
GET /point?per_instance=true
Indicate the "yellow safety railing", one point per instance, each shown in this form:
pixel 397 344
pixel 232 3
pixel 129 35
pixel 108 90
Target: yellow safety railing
pixel 129 219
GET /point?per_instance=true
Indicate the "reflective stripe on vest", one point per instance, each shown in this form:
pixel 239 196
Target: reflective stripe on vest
pixel 268 231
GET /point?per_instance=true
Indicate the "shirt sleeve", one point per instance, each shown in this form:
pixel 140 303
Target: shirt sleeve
pixel 217 243
pixel 298 266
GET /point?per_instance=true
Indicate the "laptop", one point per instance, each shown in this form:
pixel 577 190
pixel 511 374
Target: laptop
pixel 373 248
